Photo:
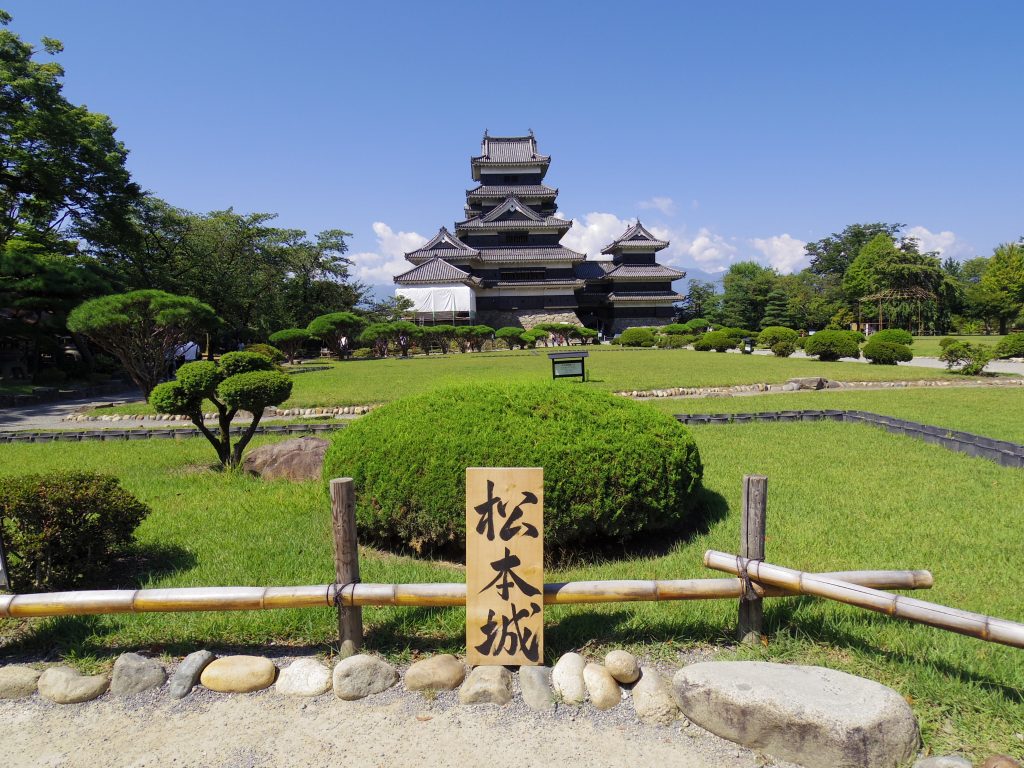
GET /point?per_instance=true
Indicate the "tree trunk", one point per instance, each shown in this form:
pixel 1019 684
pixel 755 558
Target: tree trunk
pixel 243 441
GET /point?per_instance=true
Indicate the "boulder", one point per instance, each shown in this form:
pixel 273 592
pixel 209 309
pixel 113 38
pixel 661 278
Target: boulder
pixel 304 677
pixel 1000 761
pixel 567 679
pixel 535 684
pixel 603 689
pixel 810 382
pixel 362 675
pixel 487 685
pixel 653 701
pixel 17 682
pixel 65 685
pixel 622 666
pixel 944 761
pixel 186 676
pixel 239 674
pixel 299 459
pixel 438 673
pixel 134 674
pixel 817 717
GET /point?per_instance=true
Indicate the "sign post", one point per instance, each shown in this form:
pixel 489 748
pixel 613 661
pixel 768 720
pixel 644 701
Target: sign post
pixel 568 364
pixel 504 566
pixel 5 582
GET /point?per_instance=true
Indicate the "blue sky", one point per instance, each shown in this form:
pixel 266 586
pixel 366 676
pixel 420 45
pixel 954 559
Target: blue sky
pixel 738 130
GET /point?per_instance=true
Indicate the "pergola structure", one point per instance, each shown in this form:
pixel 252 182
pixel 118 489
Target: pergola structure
pixel 890 295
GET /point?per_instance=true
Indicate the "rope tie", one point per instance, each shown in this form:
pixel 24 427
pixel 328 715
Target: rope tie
pixel 339 589
pixel 749 595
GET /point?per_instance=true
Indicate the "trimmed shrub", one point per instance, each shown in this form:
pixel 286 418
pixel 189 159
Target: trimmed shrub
pixel 511 335
pixel 716 340
pixel 968 359
pixel 272 353
pixel 241 362
pixel 1011 346
pixel 887 352
pixel 832 345
pixel 783 348
pixel 946 341
pixel 674 329
pixel 65 529
pixel 637 337
pixel 673 341
pixel 893 336
pixel 775 334
pixel 697 326
pixel 613 468
pixel 737 334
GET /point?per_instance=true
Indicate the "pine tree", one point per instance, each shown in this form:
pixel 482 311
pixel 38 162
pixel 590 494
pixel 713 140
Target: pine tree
pixel 777 310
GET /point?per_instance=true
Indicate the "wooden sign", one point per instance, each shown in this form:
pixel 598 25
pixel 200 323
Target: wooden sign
pixel 504 566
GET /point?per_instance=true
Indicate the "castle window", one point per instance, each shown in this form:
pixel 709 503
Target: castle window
pixel 522 275
pixel 516 238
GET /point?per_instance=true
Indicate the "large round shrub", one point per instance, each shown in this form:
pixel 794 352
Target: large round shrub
pixel 887 353
pixel 893 336
pixel 775 334
pixel 613 468
pixel 832 345
pixel 1011 346
pixel 65 529
pixel 637 337
pixel 716 340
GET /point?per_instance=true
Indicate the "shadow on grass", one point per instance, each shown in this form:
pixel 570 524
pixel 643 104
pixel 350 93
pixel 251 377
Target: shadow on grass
pixel 781 619
pixel 144 563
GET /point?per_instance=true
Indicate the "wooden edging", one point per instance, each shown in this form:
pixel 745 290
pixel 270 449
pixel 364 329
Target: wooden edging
pixel 1002 452
pixel 422 595
pixel 834 587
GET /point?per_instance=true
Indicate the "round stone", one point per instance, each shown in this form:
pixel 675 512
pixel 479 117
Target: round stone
pixel 567 679
pixel 438 673
pixel 17 682
pixel 622 666
pixel 134 674
pixel 65 685
pixel 304 677
pixel 362 675
pixel 487 685
pixel 239 674
pixel 603 689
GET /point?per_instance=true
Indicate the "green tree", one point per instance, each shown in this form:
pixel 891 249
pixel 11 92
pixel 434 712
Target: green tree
pixel 336 330
pixel 240 381
pixel 1003 283
pixel 142 329
pixel 702 300
pixel 60 165
pixel 834 254
pixel 777 310
pixel 747 286
pixel 290 341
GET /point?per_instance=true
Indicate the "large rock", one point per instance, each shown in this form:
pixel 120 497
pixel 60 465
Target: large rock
pixel 813 716
pixel 438 673
pixel 1000 761
pixel 810 382
pixel 567 679
pixel 362 675
pixel 535 683
pixel 65 685
pixel 304 677
pixel 603 689
pixel 298 459
pixel 134 674
pixel 239 674
pixel 653 701
pixel 186 676
pixel 487 685
pixel 944 761
pixel 623 666
pixel 17 682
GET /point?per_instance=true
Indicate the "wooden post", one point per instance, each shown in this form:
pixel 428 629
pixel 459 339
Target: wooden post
pixel 5 582
pixel 752 531
pixel 346 562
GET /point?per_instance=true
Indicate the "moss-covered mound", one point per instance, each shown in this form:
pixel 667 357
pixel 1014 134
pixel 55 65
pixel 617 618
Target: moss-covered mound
pixel 613 469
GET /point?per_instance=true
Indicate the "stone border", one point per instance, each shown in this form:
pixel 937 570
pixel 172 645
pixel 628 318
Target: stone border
pixel 1002 452
pixel 794 385
pixel 145 434
pixel 340 410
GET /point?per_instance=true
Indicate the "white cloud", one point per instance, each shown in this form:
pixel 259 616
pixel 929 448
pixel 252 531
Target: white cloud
pixel 595 232
pixel 664 204
pixel 378 267
pixel 711 251
pixel 783 252
pixel 946 243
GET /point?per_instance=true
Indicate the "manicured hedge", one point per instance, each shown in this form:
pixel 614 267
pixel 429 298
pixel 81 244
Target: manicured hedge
pixel 774 334
pixel 1011 346
pixel 893 336
pixel 613 468
pixel 637 337
pixel 832 345
pixel 887 353
pixel 719 341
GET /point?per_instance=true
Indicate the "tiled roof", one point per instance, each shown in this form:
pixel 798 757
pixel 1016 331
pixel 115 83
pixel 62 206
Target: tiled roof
pixel 574 284
pixel 644 271
pixel 512 206
pixel 636 238
pixel 504 190
pixel 593 270
pixel 509 150
pixel 444 245
pixel 435 271
pixel 547 222
pixel 530 253
pixel 645 298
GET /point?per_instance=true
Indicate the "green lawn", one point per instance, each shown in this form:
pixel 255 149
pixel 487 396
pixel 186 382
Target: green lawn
pixel 840 496
pixel 614 369
pixel 928 346
pixel 995 412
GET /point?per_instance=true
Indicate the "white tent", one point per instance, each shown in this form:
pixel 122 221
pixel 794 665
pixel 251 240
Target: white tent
pixel 440 299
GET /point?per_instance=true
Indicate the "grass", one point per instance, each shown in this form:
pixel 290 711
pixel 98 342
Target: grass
pixel 995 412
pixel 612 369
pixel 928 346
pixel 840 496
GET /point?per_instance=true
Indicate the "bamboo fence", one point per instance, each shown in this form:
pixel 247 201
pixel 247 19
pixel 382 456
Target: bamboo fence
pixel 86 603
pixel 844 590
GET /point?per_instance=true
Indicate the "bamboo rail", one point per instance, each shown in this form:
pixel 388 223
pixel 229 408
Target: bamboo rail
pixel 833 587
pixel 423 595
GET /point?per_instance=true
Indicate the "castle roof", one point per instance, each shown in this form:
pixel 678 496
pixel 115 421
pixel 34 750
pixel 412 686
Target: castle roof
pixel 636 238
pixel 436 270
pixel 444 245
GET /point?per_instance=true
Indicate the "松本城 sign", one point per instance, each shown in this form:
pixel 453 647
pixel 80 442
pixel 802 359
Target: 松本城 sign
pixel 504 566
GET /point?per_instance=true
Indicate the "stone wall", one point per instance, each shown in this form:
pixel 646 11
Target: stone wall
pixel 527 318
